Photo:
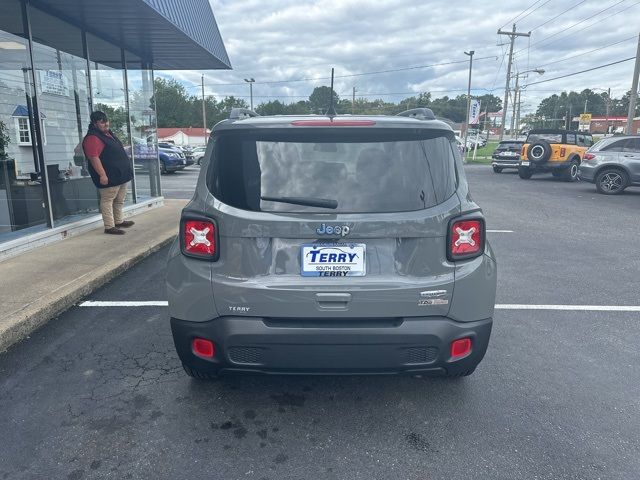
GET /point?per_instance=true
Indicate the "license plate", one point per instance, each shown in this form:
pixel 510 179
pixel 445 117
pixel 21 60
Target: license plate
pixel 525 164
pixel 333 259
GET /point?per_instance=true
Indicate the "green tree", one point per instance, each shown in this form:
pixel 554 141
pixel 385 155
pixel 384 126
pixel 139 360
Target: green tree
pixel 320 97
pixel 174 107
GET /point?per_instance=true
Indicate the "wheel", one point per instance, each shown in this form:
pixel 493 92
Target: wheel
pixel 198 374
pixel 163 168
pixel 497 169
pixel 611 181
pixel 525 173
pixel 570 174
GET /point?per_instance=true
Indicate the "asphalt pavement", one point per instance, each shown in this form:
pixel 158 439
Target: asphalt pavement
pixel 99 392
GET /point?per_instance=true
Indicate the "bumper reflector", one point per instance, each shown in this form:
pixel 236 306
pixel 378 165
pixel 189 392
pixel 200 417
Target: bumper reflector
pixel 202 347
pixel 460 348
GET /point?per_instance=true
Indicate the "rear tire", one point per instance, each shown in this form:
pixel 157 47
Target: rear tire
pixel 497 169
pixel 570 174
pixel 611 181
pixel 199 375
pixel 525 173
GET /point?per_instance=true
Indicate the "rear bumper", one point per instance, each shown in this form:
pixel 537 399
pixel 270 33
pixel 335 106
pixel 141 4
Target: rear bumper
pixel 499 161
pixel 332 346
pixel 546 166
pixel 587 172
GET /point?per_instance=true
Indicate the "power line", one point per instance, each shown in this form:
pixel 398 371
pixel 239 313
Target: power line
pixel 518 16
pixel 590 51
pixel 402 69
pixel 594 23
pixel 581 71
pixel 562 13
pixel 539 6
pixel 575 25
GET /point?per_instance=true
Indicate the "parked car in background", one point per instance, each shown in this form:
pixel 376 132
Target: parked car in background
pixel 170 160
pixel 506 155
pixel 553 150
pixel 177 149
pixel 613 164
pixel 198 154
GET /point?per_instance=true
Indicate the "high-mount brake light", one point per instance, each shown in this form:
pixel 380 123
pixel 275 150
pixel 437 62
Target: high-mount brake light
pixel 466 239
pixel 199 238
pixel 333 123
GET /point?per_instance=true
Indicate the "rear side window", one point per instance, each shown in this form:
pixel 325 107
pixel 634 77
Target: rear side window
pixel 374 171
pixel 633 145
pixel 616 146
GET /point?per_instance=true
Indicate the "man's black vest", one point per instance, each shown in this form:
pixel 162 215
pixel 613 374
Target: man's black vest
pixel 114 158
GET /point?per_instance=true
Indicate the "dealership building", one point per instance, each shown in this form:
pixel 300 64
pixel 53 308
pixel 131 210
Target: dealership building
pixel 59 61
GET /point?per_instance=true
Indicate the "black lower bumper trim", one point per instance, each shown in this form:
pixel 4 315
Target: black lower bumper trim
pixel 254 345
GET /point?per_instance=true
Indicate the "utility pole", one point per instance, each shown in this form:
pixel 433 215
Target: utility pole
pixel 585 105
pixel 634 90
pixel 250 82
pixel 353 102
pixel 466 128
pixel 204 115
pixel 512 36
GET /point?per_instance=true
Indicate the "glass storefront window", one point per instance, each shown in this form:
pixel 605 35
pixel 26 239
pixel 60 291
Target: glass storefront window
pixel 108 90
pixel 142 113
pixel 63 98
pixel 21 189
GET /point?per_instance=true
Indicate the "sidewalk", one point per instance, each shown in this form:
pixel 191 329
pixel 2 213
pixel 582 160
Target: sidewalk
pixel 38 285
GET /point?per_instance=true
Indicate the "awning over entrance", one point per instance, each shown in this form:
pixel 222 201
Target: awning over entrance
pixel 170 34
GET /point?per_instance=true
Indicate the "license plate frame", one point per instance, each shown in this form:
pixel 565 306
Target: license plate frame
pixel 321 264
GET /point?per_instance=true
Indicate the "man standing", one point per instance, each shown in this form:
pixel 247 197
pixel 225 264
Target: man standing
pixel 111 171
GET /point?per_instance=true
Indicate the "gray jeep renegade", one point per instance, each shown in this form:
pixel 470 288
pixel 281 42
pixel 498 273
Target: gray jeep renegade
pixel 331 245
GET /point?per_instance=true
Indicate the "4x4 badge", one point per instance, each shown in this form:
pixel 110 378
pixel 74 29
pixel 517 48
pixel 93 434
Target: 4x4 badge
pixel 341 230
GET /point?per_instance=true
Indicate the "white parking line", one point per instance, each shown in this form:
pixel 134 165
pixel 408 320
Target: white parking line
pixel 499 231
pixel 504 306
pixel 123 304
pixel 575 308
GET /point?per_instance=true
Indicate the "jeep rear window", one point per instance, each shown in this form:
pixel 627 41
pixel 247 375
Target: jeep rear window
pixel 373 171
pixel 549 137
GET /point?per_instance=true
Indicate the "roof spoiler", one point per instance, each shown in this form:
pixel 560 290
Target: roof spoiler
pixel 419 113
pixel 240 113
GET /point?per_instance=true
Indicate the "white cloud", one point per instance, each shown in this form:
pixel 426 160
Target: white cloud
pixel 288 40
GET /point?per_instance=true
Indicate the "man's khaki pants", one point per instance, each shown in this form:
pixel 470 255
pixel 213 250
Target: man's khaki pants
pixel 111 204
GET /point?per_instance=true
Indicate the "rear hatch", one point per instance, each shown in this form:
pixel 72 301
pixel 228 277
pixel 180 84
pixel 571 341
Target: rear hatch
pixel 333 222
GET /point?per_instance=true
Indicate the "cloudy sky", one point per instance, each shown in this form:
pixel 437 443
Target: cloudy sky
pixel 281 42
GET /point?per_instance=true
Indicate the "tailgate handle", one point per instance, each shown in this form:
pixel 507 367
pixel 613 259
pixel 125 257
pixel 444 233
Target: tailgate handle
pixel 333 300
pixel 333 297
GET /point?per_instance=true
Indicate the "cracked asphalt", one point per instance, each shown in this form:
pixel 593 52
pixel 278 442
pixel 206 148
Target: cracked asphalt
pixel 100 393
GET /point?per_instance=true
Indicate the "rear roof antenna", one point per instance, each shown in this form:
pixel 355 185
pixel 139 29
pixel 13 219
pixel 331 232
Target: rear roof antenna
pixel 331 111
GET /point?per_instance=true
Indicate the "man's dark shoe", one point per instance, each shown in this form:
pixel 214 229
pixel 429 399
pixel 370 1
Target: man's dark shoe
pixel 126 224
pixel 114 231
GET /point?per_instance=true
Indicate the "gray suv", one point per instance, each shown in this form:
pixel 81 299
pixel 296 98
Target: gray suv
pixel 612 164
pixel 317 244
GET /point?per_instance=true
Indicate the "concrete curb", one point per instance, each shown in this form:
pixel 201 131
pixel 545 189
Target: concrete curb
pixel 38 313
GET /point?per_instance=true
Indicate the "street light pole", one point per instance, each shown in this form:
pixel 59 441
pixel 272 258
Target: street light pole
pixel 250 82
pixel 466 129
pixel 517 99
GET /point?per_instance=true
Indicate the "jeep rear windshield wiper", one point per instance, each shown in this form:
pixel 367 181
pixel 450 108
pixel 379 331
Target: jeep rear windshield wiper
pixel 307 202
